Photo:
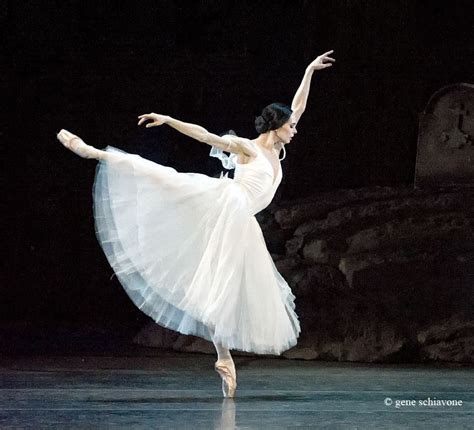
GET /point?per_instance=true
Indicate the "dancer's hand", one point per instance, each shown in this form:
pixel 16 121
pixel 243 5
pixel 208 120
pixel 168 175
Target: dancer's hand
pixel 322 62
pixel 156 119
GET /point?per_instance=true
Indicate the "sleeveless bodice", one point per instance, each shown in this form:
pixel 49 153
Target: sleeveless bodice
pixel 257 180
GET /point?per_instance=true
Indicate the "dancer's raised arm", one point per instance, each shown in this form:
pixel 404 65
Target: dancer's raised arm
pixel 227 143
pixel 298 105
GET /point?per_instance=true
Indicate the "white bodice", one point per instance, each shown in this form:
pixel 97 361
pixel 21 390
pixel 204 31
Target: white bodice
pixel 257 180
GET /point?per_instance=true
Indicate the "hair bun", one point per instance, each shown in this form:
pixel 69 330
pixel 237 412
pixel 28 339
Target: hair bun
pixel 273 116
pixel 261 125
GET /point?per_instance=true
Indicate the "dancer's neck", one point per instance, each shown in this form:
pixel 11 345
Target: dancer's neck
pixel 267 141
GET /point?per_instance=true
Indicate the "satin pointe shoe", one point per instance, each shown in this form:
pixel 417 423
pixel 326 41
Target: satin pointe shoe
pixel 77 145
pixel 226 370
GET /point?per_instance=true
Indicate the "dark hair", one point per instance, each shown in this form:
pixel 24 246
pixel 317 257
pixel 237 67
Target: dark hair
pixel 273 116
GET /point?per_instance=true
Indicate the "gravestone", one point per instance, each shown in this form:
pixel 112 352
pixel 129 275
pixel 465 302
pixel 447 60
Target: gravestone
pixel 445 153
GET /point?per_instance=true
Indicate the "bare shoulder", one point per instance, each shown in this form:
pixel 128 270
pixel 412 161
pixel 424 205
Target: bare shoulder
pixel 241 146
pixel 247 152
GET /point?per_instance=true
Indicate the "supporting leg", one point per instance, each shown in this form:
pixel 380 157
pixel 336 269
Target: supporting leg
pixel 225 367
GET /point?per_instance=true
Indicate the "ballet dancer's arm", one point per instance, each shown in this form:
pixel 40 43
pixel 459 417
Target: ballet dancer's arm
pixel 298 105
pixel 227 143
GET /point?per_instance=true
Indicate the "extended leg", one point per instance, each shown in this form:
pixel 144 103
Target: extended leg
pixel 78 146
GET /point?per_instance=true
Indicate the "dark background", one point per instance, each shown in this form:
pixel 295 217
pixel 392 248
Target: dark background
pixel 92 68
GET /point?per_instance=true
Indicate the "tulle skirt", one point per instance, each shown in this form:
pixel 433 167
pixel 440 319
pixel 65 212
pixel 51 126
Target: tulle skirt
pixel 190 255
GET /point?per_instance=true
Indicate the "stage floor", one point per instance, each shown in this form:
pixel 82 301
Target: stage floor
pixel 169 390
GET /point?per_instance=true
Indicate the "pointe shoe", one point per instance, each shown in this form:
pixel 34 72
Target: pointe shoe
pixel 77 145
pixel 226 370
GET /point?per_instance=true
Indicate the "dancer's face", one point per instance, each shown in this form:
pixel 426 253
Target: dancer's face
pixel 287 131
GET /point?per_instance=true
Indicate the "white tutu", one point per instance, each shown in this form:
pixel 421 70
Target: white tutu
pixel 190 254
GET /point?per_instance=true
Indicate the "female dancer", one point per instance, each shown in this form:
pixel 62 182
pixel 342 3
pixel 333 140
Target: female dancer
pixel 187 248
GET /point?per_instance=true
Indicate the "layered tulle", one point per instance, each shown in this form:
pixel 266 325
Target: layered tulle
pixel 190 254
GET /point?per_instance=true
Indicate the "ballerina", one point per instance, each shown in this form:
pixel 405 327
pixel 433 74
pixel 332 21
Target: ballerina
pixel 187 248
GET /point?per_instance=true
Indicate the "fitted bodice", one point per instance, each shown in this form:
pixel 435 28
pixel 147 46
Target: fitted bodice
pixel 258 180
